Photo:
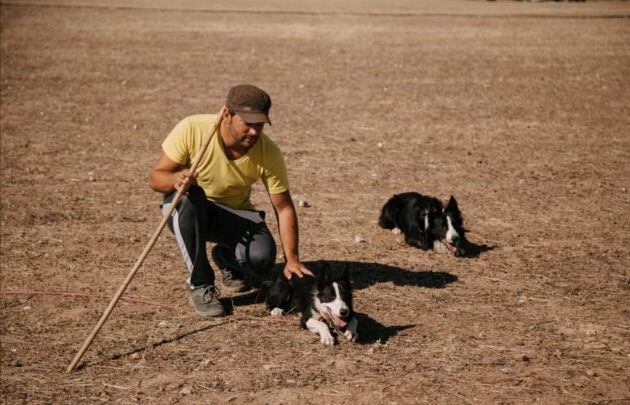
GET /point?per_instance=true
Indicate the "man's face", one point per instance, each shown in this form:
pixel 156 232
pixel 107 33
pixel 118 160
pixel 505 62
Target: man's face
pixel 245 134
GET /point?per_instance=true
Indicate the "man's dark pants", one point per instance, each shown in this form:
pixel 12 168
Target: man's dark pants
pixel 245 242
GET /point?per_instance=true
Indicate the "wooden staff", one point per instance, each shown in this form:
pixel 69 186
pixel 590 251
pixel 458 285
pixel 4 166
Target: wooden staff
pixel 182 190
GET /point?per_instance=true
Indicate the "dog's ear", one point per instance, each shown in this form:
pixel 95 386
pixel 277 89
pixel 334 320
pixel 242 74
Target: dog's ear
pixel 325 268
pixel 434 207
pixel 452 205
pixel 324 274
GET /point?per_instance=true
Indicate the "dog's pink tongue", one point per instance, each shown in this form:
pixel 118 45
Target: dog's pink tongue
pixel 340 323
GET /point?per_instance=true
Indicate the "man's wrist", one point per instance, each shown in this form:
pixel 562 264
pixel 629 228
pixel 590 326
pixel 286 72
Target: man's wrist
pixel 291 259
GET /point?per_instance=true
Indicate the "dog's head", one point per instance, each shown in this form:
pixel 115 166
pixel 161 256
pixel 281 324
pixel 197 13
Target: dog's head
pixel 334 293
pixel 446 226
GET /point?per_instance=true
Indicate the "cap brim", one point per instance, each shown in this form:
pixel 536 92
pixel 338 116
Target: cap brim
pixel 254 117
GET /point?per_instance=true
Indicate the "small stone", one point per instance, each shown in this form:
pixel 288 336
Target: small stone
pixel 595 346
pixel 522 299
pixel 185 391
pixel 303 203
pixel 26 308
pixel 91 178
pixel 525 359
pixel 591 373
pixel 359 239
pixel 16 363
pixel 135 356
pixel 380 144
pixel 505 370
pixel 162 324
pixel 135 126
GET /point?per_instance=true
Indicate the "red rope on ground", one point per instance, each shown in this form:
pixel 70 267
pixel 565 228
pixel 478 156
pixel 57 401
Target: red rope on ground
pixel 87 296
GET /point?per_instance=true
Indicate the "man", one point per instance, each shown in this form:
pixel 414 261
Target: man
pixel 217 206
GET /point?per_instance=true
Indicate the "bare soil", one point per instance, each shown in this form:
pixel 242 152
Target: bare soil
pixel 520 110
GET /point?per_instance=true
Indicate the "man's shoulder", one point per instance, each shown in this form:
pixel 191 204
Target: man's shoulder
pixel 193 126
pixel 200 119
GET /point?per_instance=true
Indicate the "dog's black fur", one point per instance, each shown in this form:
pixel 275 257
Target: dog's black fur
pixel 424 222
pixel 316 299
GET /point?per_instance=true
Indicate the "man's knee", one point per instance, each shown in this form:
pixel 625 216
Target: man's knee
pixel 261 255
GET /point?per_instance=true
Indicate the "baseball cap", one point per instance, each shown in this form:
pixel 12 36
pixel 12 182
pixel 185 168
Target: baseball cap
pixel 250 103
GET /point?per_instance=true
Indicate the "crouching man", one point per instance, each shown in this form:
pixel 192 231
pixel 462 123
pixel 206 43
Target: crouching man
pixel 217 206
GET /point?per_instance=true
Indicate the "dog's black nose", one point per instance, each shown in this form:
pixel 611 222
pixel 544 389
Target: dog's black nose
pixel 344 312
pixel 455 239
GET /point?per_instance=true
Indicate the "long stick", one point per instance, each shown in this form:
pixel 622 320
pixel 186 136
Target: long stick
pixel 147 249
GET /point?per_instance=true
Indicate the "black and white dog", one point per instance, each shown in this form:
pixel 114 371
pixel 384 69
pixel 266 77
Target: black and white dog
pixel 425 222
pixel 322 300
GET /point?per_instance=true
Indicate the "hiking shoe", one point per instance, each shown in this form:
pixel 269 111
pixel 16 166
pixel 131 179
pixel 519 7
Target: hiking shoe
pixel 206 302
pixel 231 279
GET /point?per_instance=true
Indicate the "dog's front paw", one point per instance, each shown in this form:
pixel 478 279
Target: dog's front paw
pixel 327 340
pixel 396 231
pixel 352 337
pixel 277 312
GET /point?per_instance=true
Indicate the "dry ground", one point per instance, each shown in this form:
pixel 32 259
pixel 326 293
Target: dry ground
pixel 520 110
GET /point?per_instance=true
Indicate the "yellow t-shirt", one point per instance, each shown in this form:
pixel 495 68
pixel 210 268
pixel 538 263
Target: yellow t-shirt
pixel 223 180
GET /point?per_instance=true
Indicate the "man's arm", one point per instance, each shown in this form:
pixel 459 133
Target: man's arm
pixel 166 175
pixel 289 234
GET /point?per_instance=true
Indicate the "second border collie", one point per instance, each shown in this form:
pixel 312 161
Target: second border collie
pixel 324 301
pixel 425 222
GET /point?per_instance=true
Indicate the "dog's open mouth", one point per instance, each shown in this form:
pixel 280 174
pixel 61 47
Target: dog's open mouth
pixel 337 320
pixel 451 248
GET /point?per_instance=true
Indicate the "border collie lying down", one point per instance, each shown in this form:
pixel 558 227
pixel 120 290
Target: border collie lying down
pixel 322 300
pixel 425 222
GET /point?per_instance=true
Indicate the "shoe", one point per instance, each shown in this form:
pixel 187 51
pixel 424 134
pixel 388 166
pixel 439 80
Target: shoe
pixel 231 279
pixel 206 302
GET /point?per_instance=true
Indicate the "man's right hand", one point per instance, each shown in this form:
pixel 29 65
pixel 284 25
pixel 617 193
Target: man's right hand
pixel 185 178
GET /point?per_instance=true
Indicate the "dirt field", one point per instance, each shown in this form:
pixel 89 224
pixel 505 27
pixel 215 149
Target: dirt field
pixel 520 110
